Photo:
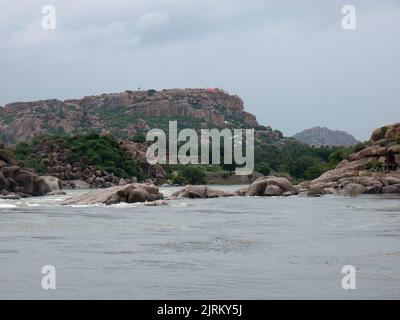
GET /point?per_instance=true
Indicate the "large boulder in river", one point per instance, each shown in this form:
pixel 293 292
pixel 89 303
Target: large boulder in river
pixel 201 192
pixel 51 183
pixel 130 193
pixel 272 190
pixel 261 187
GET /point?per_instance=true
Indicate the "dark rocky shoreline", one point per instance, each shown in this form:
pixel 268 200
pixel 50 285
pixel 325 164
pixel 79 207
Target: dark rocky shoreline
pixel 17 181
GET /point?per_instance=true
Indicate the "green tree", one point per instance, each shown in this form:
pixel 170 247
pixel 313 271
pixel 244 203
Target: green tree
pixel 264 168
pixel 338 155
pixel 315 170
pixel 139 138
pixel 190 175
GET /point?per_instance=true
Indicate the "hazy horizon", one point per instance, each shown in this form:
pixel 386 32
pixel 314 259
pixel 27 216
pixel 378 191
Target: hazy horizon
pixel 293 64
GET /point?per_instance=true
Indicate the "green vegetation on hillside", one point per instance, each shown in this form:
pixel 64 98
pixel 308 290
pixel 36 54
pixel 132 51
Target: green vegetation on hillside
pixel 188 174
pixel 24 151
pixel 300 161
pixel 102 152
pixel 285 157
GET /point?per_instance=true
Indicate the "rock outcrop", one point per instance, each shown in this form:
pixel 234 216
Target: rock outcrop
pixel 18 181
pixel 130 193
pixel 199 192
pixel 123 114
pixel 137 151
pixel 374 169
pixel 269 186
pixel 318 137
pixel 55 156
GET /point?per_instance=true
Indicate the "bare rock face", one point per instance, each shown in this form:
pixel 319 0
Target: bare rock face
pixel 130 193
pixel 21 121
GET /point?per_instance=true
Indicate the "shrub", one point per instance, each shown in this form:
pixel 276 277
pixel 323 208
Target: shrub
pixel 359 146
pixel 23 151
pixel 190 175
pixel 102 152
pixel 383 142
pixel 263 168
pixel 225 175
pixel 338 155
pixel 139 138
pixel 373 165
pixel 315 171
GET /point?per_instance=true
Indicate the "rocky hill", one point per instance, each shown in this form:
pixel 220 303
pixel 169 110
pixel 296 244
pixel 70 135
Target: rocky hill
pixel 374 168
pixel 321 136
pixel 89 161
pixel 126 114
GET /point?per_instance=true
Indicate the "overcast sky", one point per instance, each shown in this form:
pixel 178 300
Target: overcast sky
pixel 291 61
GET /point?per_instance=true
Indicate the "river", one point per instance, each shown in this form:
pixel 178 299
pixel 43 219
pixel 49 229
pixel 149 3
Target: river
pixel 226 248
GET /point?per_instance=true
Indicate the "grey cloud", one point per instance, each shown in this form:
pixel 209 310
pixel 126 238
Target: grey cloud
pixel 291 61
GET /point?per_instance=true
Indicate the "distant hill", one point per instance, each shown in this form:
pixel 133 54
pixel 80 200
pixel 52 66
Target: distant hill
pixel 321 136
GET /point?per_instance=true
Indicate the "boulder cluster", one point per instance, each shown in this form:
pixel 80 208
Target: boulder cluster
pixel 264 186
pixel 354 182
pixel 54 159
pixel 17 181
pixel 129 193
pixel 199 192
pixel 268 186
pixel 374 169
pixel 149 193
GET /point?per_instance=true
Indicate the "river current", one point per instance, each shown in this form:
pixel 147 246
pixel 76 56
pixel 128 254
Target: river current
pixel 226 248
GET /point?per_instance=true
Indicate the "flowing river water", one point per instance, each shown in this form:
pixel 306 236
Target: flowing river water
pixel 226 248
